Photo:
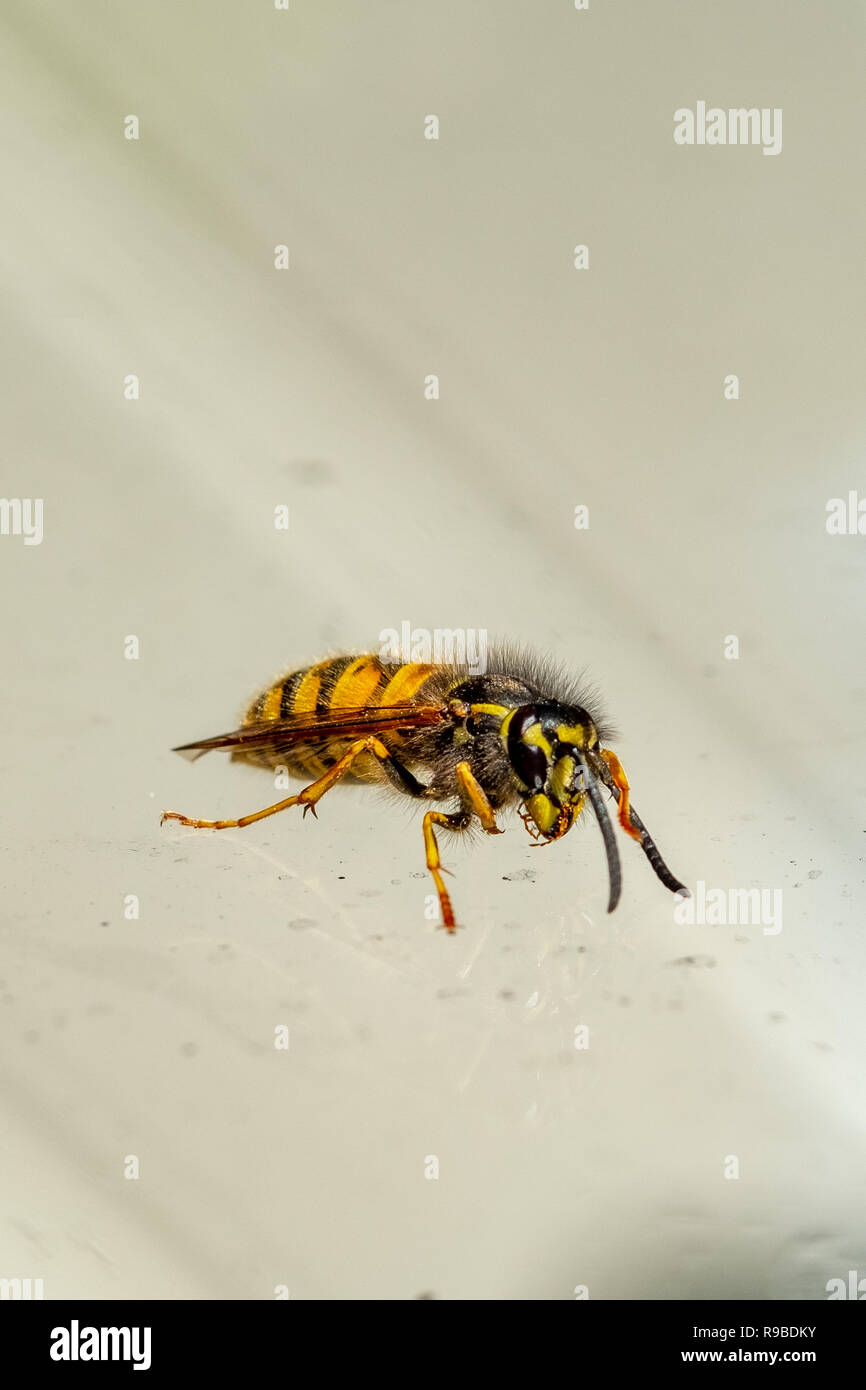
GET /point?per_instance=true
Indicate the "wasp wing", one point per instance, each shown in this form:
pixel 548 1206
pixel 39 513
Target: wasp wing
pixel 273 734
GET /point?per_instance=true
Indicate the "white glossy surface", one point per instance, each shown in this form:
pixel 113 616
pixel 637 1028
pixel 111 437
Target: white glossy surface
pixel 558 1167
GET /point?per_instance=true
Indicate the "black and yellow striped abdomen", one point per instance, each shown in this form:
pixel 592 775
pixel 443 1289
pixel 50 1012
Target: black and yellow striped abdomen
pixel 339 683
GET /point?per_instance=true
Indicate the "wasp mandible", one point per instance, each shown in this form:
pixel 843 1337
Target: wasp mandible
pixel 520 735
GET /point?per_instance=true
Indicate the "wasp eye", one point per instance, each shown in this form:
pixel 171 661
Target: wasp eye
pixel 530 764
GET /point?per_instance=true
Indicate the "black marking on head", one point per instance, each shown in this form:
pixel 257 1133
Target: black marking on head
pixel 530 763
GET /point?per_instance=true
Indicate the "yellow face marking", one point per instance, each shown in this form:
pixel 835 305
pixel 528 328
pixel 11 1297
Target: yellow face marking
pixel 562 776
pixel 405 683
pixel 543 811
pixel 572 733
pixel 358 683
pixel 534 736
pixel 554 821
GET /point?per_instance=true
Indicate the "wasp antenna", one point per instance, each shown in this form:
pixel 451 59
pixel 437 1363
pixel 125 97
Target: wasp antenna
pixel 648 845
pixel 610 848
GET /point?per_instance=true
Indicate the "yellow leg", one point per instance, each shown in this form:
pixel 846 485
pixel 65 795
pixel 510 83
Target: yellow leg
pixel 306 798
pixel 480 806
pixel 458 821
pixel 477 798
pixel 618 773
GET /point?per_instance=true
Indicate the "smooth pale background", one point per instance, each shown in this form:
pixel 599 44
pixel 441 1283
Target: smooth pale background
pixel 602 1167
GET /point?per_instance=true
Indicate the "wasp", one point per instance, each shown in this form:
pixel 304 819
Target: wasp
pixel 520 736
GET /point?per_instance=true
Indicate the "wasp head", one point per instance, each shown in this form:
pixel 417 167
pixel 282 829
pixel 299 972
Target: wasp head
pixel 551 749
pixel 546 747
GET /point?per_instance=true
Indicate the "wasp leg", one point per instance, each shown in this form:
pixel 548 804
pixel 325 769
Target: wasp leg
pixel 477 797
pixel 458 821
pixel 316 790
pixel 478 805
pixel 620 780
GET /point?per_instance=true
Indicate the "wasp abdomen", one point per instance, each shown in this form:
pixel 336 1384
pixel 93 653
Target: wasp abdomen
pixel 340 682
